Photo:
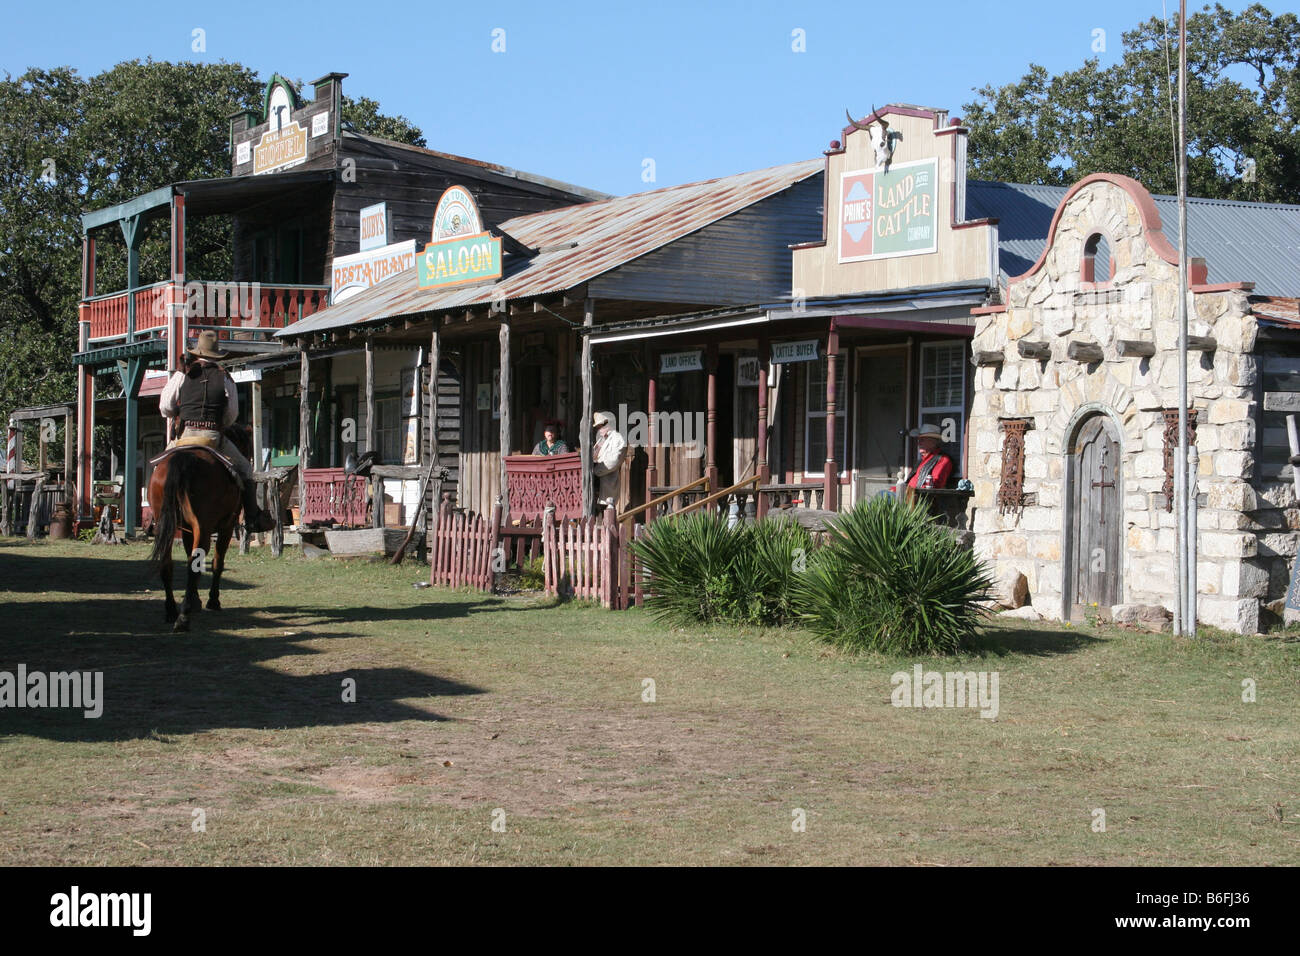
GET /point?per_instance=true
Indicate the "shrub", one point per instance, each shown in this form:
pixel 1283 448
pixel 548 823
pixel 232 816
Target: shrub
pixel 532 575
pixel 890 579
pixel 701 570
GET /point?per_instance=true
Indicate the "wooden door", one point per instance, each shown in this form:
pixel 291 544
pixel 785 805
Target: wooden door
pixel 1096 516
pixel 881 415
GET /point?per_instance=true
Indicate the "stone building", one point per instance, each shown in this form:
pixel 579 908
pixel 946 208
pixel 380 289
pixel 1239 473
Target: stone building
pixel 1073 419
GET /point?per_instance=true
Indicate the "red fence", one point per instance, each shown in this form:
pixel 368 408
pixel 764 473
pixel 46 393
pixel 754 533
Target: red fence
pixel 332 496
pixel 466 549
pixel 535 481
pixel 227 306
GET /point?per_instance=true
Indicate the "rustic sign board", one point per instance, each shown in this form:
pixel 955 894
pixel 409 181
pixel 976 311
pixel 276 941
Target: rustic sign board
pixel 460 249
pixel 691 361
pixel 889 212
pixel 280 148
pixel 785 352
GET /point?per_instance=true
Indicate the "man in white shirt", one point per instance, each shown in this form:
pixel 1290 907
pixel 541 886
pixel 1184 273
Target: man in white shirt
pixel 607 455
pixel 204 399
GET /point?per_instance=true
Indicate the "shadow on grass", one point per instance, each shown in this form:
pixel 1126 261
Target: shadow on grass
pixel 36 573
pixel 1002 641
pixel 214 676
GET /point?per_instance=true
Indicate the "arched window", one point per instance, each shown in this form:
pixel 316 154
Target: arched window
pixel 1096 259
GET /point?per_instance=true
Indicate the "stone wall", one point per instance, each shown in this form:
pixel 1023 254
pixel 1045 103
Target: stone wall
pixel 1052 304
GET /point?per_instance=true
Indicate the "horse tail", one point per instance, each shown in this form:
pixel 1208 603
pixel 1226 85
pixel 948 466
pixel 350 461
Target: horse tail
pixel 178 471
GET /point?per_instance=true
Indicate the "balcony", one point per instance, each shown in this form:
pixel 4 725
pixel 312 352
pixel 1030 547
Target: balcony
pixel 235 310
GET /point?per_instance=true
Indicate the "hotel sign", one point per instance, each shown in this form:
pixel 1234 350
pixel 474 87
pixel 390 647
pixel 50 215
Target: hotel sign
pixel 355 273
pixel 460 250
pixel 280 148
pixel 786 352
pixel 888 213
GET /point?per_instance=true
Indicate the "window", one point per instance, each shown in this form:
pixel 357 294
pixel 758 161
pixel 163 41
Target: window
pixel 815 416
pixel 1096 259
pixel 389 433
pixel 943 393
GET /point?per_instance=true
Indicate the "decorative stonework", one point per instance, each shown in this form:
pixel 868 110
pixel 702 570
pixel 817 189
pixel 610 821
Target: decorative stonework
pixel 1011 489
pixel 1020 507
pixel 1171 449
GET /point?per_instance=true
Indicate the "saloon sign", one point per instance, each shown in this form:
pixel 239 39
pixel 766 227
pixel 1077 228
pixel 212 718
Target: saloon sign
pixel 889 212
pixel 461 250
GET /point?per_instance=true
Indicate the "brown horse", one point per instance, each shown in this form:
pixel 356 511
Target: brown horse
pixel 192 490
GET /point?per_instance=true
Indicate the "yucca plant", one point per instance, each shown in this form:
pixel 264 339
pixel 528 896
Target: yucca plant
pixel 891 579
pixel 701 570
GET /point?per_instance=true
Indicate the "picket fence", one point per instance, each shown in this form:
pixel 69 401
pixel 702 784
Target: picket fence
pixel 585 558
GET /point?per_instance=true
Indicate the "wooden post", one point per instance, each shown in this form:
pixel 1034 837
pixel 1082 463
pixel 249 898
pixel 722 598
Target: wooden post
pixel 4 508
pixel 69 444
pixel 711 418
pixel 764 471
pixel 34 507
pixel 304 432
pixel 277 507
pixel 652 452
pixel 372 432
pixel 503 435
pixel 609 561
pixel 85 428
pixel 584 424
pixel 435 361
pixel 831 496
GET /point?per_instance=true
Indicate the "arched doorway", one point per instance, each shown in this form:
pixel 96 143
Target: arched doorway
pixel 1095 519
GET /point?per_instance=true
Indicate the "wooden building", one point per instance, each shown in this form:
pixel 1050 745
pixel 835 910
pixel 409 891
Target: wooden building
pixel 299 181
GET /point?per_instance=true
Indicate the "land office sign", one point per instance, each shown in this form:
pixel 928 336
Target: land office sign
pixel 889 212
pixel 461 250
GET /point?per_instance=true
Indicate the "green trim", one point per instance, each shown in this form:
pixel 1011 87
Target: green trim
pixel 112 353
pixel 147 203
pixel 295 103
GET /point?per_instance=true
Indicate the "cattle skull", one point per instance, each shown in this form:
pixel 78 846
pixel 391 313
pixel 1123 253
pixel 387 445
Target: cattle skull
pixel 882 141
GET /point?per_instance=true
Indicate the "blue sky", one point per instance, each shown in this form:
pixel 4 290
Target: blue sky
pixel 586 91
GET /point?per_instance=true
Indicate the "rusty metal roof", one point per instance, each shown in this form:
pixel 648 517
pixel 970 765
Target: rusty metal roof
pixel 575 243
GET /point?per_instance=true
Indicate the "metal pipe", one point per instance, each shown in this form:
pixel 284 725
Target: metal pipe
pixel 1193 464
pixel 1180 490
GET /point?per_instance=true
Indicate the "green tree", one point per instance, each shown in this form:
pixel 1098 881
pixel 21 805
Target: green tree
pixel 68 144
pixel 1243 90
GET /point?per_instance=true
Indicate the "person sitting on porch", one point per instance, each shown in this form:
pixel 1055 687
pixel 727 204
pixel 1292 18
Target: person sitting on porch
pixel 607 455
pixel 551 443
pixel 204 399
pixel 935 467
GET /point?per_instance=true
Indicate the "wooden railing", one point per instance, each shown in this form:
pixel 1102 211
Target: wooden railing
pixel 332 496
pixel 751 482
pixel 233 309
pixel 535 481
pixel 654 503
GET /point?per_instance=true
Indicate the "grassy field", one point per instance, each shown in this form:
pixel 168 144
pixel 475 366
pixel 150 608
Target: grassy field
pixel 466 705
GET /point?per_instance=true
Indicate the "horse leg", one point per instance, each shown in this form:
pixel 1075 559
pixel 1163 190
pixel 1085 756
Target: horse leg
pixel 198 561
pixel 165 572
pixel 219 565
pixel 187 541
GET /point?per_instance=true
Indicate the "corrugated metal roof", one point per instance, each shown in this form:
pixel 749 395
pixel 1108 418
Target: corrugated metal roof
pixel 577 243
pixel 1240 241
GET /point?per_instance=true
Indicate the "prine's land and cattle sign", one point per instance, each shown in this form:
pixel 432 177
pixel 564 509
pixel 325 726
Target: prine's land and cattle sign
pixel 888 212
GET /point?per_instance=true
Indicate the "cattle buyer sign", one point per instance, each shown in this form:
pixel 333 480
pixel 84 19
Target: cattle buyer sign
pixel 885 213
pixel 461 250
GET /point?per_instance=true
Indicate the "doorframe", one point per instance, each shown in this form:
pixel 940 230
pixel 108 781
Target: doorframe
pixel 905 347
pixel 1068 453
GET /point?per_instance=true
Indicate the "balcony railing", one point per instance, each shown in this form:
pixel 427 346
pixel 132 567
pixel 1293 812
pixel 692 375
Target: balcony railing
pixel 236 310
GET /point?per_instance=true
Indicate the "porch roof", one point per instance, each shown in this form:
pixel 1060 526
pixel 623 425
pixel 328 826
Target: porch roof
pixel 574 245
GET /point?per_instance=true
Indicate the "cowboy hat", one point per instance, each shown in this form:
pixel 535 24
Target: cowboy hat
pixel 206 347
pixel 601 418
pixel 928 431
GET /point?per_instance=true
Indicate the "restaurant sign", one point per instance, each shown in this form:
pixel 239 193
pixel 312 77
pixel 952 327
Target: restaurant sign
pixel 460 250
pixel 786 352
pixel 889 212
pixel 355 273
pixel 681 361
pixel 280 148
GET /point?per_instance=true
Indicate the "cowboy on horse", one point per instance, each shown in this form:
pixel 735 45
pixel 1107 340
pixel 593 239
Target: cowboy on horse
pixel 204 399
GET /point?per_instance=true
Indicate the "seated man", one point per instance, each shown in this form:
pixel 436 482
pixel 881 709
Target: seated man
pixel 935 467
pixel 204 399
pixel 551 443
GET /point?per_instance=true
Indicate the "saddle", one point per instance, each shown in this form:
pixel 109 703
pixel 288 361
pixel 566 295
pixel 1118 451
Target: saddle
pixel 192 444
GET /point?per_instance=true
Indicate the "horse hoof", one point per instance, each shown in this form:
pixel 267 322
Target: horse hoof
pixel 214 604
pixel 182 624
pixel 171 614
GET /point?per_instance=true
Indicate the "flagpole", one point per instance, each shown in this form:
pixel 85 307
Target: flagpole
pixel 1186 613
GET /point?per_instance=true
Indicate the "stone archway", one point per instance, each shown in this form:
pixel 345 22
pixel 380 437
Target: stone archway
pixel 1094 515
